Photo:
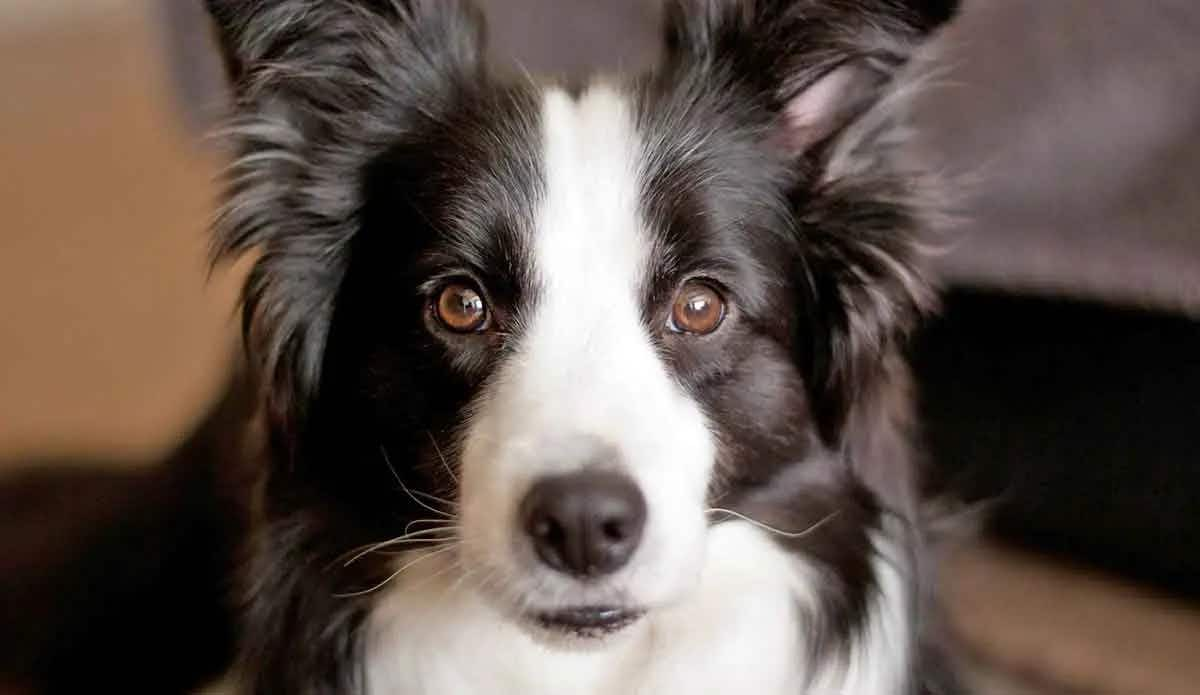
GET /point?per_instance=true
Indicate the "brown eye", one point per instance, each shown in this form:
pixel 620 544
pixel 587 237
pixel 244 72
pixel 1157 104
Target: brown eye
pixel 698 309
pixel 461 308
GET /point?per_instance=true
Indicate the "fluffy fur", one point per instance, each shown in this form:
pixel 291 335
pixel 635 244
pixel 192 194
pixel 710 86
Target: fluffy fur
pixel 377 158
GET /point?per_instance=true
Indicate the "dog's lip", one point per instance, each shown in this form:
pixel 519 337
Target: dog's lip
pixel 589 620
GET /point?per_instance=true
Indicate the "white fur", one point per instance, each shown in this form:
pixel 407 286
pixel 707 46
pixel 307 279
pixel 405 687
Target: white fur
pixel 586 370
pixel 739 631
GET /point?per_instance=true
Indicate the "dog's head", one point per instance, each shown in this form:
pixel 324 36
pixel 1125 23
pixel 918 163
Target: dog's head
pixel 570 321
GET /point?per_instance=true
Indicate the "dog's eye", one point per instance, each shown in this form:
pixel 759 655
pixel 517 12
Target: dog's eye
pixel 698 309
pixel 461 308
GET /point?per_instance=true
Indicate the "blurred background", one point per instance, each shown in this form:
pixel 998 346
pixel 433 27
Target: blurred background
pixel 1060 387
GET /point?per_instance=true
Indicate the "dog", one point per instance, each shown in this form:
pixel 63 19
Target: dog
pixel 586 386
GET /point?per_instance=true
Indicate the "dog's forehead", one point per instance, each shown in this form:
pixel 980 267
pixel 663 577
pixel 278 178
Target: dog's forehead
pixel 589 222
pixel 638 176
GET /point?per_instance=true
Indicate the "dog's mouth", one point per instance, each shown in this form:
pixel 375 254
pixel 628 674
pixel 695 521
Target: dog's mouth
pixel 588 621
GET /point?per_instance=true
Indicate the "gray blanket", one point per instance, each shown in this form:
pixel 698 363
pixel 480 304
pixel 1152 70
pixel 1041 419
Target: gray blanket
pixel 1080 122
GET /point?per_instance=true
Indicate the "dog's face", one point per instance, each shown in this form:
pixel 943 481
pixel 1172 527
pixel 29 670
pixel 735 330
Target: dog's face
pixel 570 324
pixel 605 313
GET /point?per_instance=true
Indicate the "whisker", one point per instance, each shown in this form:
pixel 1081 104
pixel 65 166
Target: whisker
pixel 394 542
pixel 404 487
pixel 435 498
pixel 462 579
pixel 444 526
pixel 397 573
pixel 422 535
pixel 438 449
pixel 767 527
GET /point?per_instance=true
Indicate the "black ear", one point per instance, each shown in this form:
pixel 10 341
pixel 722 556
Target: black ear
pixel 815 61
pixel 831 79
pixel 321 87
pixel 252 32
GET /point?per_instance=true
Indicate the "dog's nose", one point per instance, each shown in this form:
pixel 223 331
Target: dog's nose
pixel 586 524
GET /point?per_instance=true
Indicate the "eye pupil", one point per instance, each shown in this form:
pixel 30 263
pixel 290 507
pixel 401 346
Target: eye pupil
pixel 698 309
pixel 461 308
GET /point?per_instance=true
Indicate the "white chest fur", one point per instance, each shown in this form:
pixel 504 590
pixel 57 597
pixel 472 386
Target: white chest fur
pixel 739 631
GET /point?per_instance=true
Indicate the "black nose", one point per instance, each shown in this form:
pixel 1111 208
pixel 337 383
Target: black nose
pixel 585 524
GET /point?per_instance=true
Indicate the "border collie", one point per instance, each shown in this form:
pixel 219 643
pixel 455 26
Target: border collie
pixel 582 387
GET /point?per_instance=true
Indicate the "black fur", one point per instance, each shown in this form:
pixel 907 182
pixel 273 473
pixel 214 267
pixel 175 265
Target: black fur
pixel 374 153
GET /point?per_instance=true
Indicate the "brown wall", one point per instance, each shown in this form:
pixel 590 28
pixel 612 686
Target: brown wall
pixel 111 339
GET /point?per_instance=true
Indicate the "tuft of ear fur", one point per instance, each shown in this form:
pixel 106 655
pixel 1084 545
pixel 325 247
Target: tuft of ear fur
pixel 784 47
pixel 834 78
pixel 320 86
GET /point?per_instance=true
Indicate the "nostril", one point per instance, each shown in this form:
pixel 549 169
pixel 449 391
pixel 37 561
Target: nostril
pixel 614 530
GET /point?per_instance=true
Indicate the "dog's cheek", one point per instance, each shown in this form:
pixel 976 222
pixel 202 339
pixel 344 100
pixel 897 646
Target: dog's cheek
pixel 491 482
pixel 763 420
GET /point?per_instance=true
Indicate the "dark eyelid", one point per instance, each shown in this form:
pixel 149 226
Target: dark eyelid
pixel 438 280
pixel 719 273
pixel 720 285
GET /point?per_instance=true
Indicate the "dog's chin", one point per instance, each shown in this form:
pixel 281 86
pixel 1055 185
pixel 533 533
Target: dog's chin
pixel 581 627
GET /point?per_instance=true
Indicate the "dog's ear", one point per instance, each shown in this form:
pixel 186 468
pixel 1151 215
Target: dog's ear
pixel 320 87
pixel 817 63
pixel 253 34
pixel 830 80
